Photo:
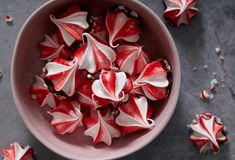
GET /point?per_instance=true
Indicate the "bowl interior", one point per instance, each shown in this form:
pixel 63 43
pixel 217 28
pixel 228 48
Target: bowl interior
pixel 26 64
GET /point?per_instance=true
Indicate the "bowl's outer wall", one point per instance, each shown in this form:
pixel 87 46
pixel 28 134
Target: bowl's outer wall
pixel 26 63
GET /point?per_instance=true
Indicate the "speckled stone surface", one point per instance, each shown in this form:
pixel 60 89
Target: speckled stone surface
pixel 214 27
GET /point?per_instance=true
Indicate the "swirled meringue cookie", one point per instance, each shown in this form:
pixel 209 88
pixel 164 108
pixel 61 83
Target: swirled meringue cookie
pixel 111 87
pixel 50 48
pixel 208 132
pixel 101 128
pixel 94 55
pixel 16 152
pixel 131 59
pixel 120 27
pixel 71 24
pixel 86 95
pixel 67 117
pixel 62 74
pixel 180 11
pixel 153 80
pixel 133 115
pixel 41 93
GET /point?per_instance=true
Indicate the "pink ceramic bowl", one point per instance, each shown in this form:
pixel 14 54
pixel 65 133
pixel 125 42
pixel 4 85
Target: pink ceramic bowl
pixel 26 63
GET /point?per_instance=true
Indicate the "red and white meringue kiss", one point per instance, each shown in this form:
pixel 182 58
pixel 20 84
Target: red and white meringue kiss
pixel 16 152
pixel 131 59
pixel 120 27
pixel 101 128
pixel 41 93
pixel 153 80
pixel 62 74
pixel 50 49
pixel 71 25
pixel 86 95
pixel 180 11
pixel 208 132
pixel 67 117
pixel 95 55
pixel 133 115
pixel 111 87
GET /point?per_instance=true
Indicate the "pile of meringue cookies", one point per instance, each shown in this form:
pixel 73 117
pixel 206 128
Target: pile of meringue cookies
pixel 96 75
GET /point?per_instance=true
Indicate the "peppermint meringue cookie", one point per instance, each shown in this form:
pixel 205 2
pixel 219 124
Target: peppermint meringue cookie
pixel 71 25
pixel 94 55
pixel 120 27
pixel 86 95
pixel 133 115
pixel 110 87
pixel 208 132
pixel 101 128
pixel 50 49
pixel 153 80
pixel 67 117
pixel 131 59
pixel 62 74
pixel 16 152
pixel 41 93
pixel 180 11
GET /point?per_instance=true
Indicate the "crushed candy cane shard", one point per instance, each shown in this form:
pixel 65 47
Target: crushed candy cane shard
pixel 72 26
pixel 153 80
pixel 204 95
pixel 180 11
pixel 9 19
pixel 62 74
pixel 41 93
pixel 217 50
pixel 120 27
pixel 102 128
pixel 94 55
pixel 208 132
pixel 133 115
pixel 67 117
pixel 50 49
pixel 110 86
pixel 16 152
pixel 131 59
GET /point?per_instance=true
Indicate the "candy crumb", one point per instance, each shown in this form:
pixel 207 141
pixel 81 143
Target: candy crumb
pixel 1 73
pixel 194 68
pixel 205 67
pixel 204 95
pixel 9 19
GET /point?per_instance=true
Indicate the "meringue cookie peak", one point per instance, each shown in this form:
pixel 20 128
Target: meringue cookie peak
pixel 16 152
pixel 180 11
pixel 120 27
pixel 50 49
pixel 133 115
pixel 110 86
pixel 41 93
pixel 208 132
pixel 95 55
pixel 153 80
pixel 71 26
pixel 102 128
pixel 131 59
pixel 67 117
pixel 62 74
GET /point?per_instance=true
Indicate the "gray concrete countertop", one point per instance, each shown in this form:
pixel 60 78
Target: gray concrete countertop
pixel 214 27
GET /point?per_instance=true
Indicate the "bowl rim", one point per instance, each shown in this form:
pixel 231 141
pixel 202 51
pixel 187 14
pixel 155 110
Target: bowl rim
pixel 173 99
